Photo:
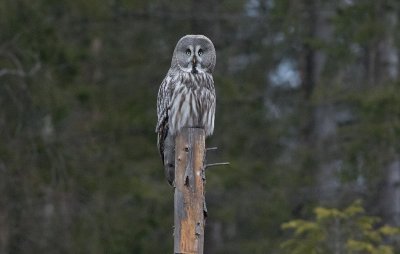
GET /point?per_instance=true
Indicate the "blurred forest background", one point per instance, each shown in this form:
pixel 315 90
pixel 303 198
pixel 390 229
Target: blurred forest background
pixel 308 115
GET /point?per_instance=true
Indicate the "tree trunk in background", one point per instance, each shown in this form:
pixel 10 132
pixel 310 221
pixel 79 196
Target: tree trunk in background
pixel 307 70
pixel 390 72
pixel 4 231
pixel 381 57
pixel 17 236
pixel 325 121
pixel 391 193
pixel 321 133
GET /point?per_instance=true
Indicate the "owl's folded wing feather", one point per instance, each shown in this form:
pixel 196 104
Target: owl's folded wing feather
pixel 164 96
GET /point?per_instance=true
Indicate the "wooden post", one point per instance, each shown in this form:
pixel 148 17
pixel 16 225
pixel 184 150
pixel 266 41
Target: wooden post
pixel 189 201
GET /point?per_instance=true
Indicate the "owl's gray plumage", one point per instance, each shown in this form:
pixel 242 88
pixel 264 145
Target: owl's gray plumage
pixel 186 97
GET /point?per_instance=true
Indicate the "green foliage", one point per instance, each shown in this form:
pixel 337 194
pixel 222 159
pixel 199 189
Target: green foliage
pixel 332 230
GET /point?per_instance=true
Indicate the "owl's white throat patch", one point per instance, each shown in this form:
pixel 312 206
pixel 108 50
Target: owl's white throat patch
pixel 185 69
pixel 194 69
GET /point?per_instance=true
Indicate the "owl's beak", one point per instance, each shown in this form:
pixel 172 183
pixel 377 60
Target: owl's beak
pixel 194 61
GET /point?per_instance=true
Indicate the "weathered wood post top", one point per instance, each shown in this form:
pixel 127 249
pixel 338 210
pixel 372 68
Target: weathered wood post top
pixel 189 201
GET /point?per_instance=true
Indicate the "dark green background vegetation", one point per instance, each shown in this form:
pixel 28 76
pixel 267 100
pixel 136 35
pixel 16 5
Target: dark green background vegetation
pixel 308 114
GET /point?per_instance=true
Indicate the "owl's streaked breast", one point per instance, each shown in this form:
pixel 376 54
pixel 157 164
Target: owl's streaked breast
pixel 192 103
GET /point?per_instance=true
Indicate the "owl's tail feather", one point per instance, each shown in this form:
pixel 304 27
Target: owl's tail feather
pixel 169 158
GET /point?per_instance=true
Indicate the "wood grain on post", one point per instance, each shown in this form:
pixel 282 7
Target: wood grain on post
pixel 189 200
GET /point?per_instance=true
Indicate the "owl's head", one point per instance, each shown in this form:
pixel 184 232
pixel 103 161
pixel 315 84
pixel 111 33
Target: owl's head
pixel 195 54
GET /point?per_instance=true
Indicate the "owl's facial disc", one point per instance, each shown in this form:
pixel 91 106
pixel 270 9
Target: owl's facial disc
pixel 194 54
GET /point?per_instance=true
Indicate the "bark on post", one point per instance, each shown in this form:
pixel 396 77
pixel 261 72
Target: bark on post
pixel 189 202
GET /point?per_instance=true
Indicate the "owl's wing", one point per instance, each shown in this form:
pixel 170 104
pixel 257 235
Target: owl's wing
pixel 163 100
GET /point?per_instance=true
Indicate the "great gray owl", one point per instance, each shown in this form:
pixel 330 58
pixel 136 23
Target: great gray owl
pixel 186 97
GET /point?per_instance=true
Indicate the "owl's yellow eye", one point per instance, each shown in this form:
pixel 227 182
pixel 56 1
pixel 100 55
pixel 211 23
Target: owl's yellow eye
pixel 200 52
pixel 188 52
